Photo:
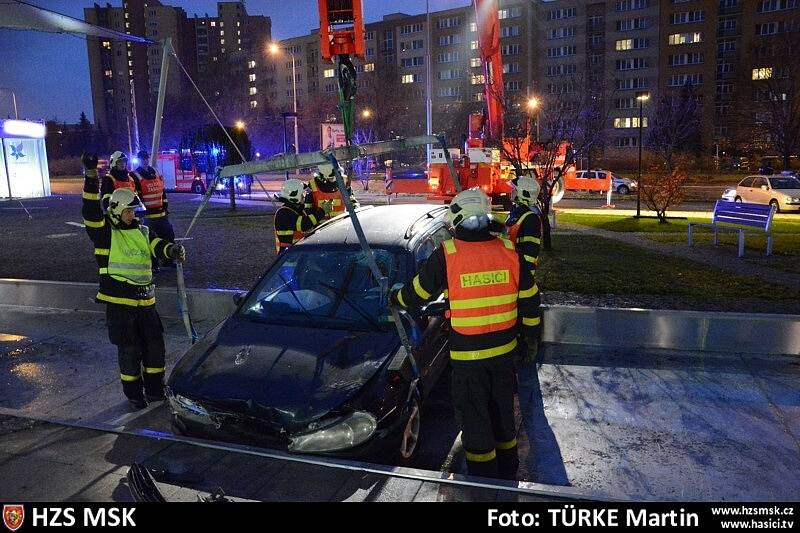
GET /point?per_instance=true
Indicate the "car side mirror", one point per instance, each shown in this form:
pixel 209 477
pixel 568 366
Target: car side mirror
pixel 436 308
pixel 238 298
pixel 764 188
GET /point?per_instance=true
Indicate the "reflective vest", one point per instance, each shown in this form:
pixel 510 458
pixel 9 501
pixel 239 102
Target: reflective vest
pixel 318 196
pixel 120 184
pixel 513 231
pixel 129 256
pixel 152 191
pixel 482 285
pixel 296 233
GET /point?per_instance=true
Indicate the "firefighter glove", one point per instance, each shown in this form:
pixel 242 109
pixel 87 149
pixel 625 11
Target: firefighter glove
pixel 89 161
pixel 326 206
pixel 176 252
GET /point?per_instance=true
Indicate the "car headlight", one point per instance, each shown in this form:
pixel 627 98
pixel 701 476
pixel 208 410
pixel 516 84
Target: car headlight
pixel 348 433
pixel 191 410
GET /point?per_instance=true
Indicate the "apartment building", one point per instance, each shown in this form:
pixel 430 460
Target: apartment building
pixel 125 76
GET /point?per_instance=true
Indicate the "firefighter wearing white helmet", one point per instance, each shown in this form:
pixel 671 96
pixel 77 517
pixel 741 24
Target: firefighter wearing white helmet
pixel 486 290
pixel 293 219
pixel 124 250
pixel 118 177
pixel 324 190
pixel 524 226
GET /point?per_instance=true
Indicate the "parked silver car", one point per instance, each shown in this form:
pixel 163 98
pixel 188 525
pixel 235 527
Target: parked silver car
pixel 780 191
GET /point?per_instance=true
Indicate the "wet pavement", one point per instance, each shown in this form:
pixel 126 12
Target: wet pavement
pixel 626 424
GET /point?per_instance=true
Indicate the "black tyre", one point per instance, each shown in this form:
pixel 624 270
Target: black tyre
pixel 197 188
pixel 623 189
pixel 774 204
pixel 738 199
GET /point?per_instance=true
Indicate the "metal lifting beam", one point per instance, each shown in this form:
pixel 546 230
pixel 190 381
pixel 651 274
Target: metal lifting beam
pixel 343 153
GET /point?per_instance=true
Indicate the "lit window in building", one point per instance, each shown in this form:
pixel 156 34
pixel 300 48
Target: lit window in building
pixel 625 44
pixel 252 77
pixel 221 33
pixel 130 73
pixel 409 78
pixel 253 104
pixel 629 122
pixel 473 45
pixel 108 73
pixel 475 61
pixel 762 73
pixel 222 41
pixel 238 32
pixel 107 45
pixel 222 50
pixel 473 27
pixel 685 38
pixel 369 67
pixel 238 23
pixel 327 73
pixel 253 91
pixel 238 41
pixel 251 64
pixel 477 79
pixel 478 97
pixel 213 24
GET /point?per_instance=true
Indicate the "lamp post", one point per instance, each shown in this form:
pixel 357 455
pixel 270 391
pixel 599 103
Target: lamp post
pixel 274 49
pixel 14 101
pixel 285 145
pixel 642 98
pixel 533 105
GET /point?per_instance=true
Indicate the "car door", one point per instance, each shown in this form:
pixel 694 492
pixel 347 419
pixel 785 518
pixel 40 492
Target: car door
pixel 758 195
pixel 744 189
pixel 433 355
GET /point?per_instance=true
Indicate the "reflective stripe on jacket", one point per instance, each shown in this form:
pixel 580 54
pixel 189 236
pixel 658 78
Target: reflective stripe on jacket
pixel 483 285
pixel 284 236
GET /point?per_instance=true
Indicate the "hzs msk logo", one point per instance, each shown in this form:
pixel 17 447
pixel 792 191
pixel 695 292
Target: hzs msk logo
pixel 13 516
pixel 16 152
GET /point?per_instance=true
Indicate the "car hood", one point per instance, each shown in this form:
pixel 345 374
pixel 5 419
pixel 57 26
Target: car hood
pixel 788 192
pixel 287 376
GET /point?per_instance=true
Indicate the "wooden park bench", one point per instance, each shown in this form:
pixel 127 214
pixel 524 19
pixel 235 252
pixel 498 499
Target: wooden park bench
pixel 738 217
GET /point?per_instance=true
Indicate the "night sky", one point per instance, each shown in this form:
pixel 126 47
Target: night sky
pixel 50 72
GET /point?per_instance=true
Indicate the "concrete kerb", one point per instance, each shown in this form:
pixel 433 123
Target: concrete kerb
pixel 700 331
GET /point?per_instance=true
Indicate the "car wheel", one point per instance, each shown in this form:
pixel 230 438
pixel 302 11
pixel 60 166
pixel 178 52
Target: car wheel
pixel 738 199
pixel 774 204
pixel 409 440
pixel 197 188
pixel 623 189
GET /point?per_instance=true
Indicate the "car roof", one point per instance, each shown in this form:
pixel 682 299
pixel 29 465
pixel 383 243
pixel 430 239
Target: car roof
pixel 384 225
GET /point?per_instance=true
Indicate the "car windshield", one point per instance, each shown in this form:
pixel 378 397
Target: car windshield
pixel 329 288
pixel 785 183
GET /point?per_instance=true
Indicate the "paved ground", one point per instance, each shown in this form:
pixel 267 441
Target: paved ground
pixel 642 425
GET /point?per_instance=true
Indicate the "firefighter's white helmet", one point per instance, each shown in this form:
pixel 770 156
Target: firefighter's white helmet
pixel 116 156
pixel 326 171
pixel 468 204
pixel 527 190
pixel 122 199
pixel 292 190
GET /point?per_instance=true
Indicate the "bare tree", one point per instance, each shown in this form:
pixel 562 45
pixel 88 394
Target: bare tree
pixel 572 114
pixel 776 112
pixel 664 187
pixel 674 127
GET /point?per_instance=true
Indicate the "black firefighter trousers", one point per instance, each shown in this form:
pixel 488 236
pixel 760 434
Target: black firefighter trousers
pixel 483 398
pixel 139 336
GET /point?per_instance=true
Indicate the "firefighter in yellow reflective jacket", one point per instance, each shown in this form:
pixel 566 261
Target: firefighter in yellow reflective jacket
pixel 293 219
pixel 524 225
pixel 489 299
pixel 322 188
pixel 123 249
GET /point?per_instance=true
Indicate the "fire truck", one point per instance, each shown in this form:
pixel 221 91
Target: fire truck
pixel 182 171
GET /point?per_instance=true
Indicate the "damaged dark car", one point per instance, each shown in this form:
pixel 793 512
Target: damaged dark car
pixel 311 361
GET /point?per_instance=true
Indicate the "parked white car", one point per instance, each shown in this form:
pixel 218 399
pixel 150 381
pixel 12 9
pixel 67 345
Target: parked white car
pixel 780 191
pixel 729 194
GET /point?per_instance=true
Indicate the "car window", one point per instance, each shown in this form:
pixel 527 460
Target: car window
pixel 758 182
pixel 325 288
pixel 747 182
pixel 431 243
pixel 785 183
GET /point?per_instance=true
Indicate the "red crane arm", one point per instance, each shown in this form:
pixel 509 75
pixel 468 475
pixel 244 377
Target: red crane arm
pixel 488 23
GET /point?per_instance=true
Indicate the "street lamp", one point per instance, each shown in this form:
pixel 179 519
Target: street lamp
pixel 533 105
pixel 275 50
pixel 642 98
pixel 239 125
pixel 366 114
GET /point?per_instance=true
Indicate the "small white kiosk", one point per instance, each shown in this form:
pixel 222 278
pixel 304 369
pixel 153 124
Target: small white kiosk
pixel 23 160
